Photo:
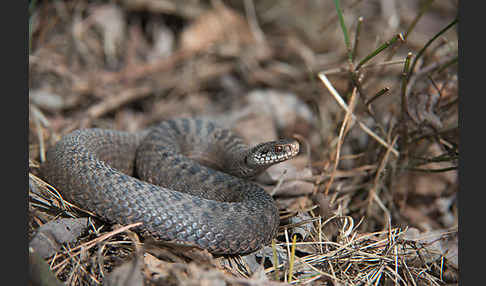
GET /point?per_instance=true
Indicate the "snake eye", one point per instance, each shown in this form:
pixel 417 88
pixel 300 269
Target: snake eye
pixel 278 149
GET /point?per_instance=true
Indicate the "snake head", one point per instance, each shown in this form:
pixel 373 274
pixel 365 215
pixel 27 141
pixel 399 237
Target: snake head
pixel 266 154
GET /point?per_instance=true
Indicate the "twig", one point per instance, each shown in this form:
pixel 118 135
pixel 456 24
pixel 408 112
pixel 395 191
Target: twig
pixel 115 101
pixel 89 244
pixel 343 129
pixel 136 72
pixel 341 102
pixel 379 50
pixel 279 182
pixel 365 66
pixel 287 242
pixel 373 191
pixel 404 104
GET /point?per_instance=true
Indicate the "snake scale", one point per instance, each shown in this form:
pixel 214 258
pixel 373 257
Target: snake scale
pixel 186 179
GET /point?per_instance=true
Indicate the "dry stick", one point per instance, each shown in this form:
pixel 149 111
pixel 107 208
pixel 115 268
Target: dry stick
pixel 51 191
pixel 372 195
pixel 380 49
pixel 344 128
pixel 292 258
pixel 352 250
pixel 91 243
pixel 348 245
pixel 129 95
pixel 383 64
pixel 403 128
pixel 333 276
pixel 139 71
pixel 365 66
pixel 288 246
pixel 115 101
pixel 279 183
pixel 358 171
pixel 341 102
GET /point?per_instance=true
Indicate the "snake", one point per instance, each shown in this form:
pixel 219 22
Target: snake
pixel 188 180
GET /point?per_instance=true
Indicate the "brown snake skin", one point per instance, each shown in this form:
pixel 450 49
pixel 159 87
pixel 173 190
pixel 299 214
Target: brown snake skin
pixel 160 177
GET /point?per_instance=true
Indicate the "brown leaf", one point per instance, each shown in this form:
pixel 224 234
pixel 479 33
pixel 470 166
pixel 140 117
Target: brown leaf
pixel 215 26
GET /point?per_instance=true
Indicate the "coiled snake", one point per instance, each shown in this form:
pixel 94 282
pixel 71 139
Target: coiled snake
pixel 190 187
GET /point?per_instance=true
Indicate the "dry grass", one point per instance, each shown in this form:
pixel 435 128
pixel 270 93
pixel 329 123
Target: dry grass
pixel 372 201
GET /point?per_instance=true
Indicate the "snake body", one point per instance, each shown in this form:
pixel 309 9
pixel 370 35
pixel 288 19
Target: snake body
pixel 186 179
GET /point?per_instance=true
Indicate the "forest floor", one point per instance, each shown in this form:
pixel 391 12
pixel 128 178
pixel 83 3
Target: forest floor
pixel 372 199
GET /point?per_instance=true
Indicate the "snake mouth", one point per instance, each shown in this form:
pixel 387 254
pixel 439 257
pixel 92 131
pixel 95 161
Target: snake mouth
pixel 275 151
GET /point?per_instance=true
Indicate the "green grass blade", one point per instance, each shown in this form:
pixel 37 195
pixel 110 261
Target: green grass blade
pixel 379 50
pixel 421 52
pixel 347 42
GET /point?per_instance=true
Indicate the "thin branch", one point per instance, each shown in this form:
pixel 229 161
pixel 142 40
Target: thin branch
pixel 343 105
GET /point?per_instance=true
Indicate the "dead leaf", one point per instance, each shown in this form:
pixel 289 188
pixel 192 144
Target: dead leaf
pixel 50 236
pixel 216 26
